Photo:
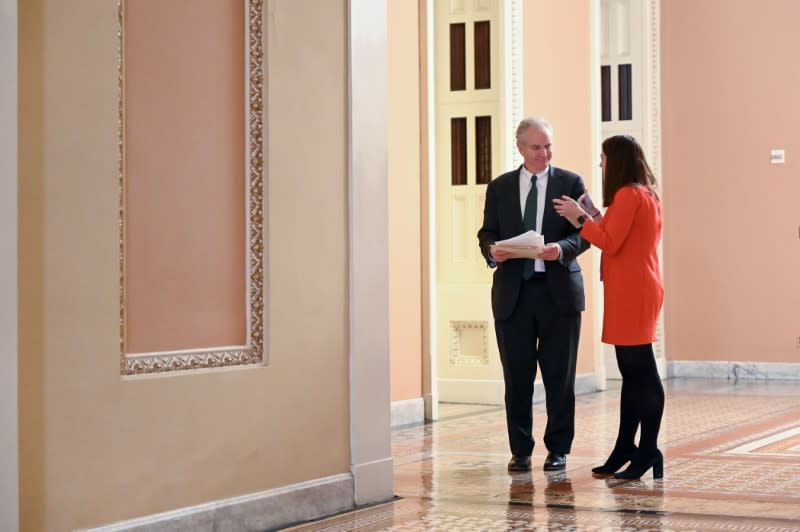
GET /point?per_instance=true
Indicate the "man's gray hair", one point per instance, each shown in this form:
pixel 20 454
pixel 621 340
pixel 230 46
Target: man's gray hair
pixel 536 122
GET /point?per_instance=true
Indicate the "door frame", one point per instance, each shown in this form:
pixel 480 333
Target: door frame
pixel 512 45
pixel 651 141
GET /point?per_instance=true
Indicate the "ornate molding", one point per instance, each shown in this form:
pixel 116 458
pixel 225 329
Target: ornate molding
pixel 654 82
pixel 256 189
pixel 253 352
pixel 653 50
pixel 516 77
pixel 477 349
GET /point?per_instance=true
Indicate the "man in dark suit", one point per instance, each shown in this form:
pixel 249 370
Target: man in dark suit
pixel 537 304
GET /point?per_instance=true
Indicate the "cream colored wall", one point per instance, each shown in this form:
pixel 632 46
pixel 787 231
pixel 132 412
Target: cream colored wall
pixel 95 448
pixel 429 385
pixel 405 268
pixel 557 81
pixel 729 95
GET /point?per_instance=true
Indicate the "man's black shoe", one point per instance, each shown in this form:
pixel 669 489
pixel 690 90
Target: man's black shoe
pixel 519 463
pixel 555 462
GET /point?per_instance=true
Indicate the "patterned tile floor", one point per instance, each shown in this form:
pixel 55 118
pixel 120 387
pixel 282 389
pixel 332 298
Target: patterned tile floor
pixel 732 463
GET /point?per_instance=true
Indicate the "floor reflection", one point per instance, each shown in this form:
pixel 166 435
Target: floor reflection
pixel 732 462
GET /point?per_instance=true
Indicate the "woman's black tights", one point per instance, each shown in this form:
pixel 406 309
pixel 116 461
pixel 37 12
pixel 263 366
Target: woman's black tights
pixel 642 398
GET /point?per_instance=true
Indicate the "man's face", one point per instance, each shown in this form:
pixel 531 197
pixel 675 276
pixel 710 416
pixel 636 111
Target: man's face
pixel 536 147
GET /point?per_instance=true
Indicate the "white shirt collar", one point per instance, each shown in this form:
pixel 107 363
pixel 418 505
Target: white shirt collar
pixel 539 177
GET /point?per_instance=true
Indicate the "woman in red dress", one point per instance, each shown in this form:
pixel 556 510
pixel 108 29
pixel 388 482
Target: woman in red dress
pixel 628 235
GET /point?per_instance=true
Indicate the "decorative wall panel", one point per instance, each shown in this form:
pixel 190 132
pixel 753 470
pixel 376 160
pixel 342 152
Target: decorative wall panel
pixel 456 6
pixel 483 149
pixel 460 211
pixel 191 202
pixel 482 50
pixel 469 344
pixel 458 59
pixel 458 151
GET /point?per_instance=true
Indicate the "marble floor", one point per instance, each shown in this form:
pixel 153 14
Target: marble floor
pixel 732 463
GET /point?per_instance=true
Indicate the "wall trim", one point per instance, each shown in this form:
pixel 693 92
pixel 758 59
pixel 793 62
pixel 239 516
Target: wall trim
pixel 257 511
pixel 133 364
pixel 430 389
pixel 368 253
pixel 514 94
pixel 408 411
pixel 492 392
pixel 475 391
pixel 595 183
pixel 733 370
pixel 652 133
pixel 373 481
pixel 586 383
pixel 9 254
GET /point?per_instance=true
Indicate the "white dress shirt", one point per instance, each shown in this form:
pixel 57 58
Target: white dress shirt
pixel 525 180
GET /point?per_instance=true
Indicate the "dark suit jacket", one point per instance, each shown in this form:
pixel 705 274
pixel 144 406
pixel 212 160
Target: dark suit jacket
pixel 502 219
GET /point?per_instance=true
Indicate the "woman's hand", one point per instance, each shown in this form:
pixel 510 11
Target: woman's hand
pixel 568 208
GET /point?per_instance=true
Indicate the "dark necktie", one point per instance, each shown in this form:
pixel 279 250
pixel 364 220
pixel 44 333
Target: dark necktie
pixel 529 222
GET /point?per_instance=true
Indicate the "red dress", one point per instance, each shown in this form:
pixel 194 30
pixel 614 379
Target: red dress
pixel 628 235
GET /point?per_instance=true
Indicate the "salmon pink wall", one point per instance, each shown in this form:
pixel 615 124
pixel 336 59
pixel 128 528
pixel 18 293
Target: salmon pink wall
pixel 557 80
pixel 730 79
pixel 184 175
pixel 405 269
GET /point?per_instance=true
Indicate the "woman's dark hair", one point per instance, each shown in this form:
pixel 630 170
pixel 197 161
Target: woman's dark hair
pixel 625 165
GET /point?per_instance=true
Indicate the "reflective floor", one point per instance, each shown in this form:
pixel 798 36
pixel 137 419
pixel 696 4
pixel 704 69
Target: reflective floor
pixel 732 462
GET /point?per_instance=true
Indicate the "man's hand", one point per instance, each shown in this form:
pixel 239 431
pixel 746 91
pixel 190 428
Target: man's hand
pixel 501 256
pixel 551 251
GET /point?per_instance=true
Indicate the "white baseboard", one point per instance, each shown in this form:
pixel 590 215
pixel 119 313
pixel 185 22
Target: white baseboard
pixel 471 391
pixel 408 411
pixel 374 481
pixel 254 512
pixel 431 406
pixel 492 392
pixel 733 370
pixel 586 383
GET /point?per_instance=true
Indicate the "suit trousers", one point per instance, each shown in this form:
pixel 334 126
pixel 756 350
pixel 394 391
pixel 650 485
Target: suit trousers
pixel 537 332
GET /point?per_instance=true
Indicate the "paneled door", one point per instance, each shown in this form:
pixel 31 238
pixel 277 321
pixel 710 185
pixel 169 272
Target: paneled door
pixel 630 100
pixel 471 140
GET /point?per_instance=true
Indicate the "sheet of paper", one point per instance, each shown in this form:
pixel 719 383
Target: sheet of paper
pixel 527 245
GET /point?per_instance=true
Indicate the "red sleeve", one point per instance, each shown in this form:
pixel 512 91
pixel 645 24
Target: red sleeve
pixel 611 232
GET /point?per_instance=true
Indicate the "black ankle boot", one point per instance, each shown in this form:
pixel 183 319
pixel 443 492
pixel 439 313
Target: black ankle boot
pixel 616 460
pixel 641 462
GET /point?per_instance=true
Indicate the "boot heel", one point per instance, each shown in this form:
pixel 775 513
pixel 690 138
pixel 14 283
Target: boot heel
pixel 614 462
pixel 658 469
pixel 637 467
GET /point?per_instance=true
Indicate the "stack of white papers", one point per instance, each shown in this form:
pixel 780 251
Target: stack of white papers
pixel 527 245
